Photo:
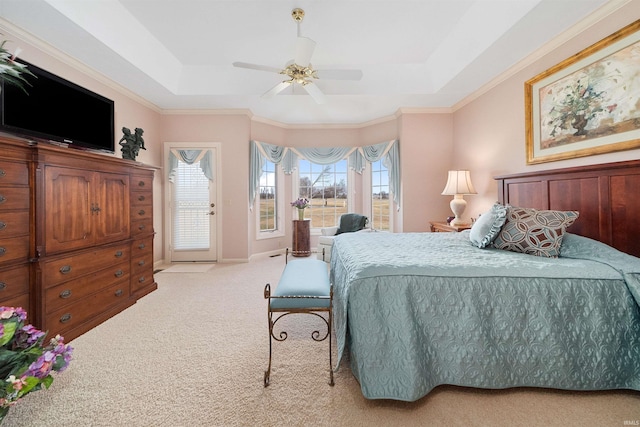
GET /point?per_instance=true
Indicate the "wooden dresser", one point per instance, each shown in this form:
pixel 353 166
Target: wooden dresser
pixel 88 245
pixel 15 237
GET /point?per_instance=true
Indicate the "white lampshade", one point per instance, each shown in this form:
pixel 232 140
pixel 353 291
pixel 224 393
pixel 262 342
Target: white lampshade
pixel 458 183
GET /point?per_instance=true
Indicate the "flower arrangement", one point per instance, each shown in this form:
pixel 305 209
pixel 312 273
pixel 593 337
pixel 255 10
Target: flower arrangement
pixel 300 203
pixel 10 71
pixel 25 364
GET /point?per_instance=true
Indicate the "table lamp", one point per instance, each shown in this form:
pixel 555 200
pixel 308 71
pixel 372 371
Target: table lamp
pixel 458 184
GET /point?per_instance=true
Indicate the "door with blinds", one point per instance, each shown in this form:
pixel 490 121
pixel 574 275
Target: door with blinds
pixel 192 192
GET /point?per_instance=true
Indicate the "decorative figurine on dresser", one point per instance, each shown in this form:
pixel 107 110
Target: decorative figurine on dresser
pixel 132 143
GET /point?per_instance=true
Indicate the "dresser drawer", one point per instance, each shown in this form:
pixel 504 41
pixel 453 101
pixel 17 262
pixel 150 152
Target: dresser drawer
pixel 139 198
pixel 13 173
pixel 142 183
pixel 71 267
pixel 141 212
pixel 144 226
pixel 14 249
pixel 13 224
pixel 74 290
pixel 141 263
pixel 141 279
pixel 74 315
pixel 12 198
pixel 13 282
pixel 19 301
pixel 141 247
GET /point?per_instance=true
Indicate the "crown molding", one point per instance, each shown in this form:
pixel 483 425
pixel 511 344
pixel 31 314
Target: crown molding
pixel 317 126
pixel 209 112
pixel 72 62
pixel 583 25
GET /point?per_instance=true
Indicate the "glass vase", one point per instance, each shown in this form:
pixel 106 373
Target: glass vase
pixel 300 214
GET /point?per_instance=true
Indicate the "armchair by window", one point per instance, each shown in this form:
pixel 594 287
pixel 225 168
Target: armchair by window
pixel 349 223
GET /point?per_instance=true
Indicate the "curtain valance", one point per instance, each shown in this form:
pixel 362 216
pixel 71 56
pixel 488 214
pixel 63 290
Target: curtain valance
pixel 190 157
pixel 287 158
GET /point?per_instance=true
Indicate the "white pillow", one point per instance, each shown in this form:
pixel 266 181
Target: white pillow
pixel 329 231
pixel 488 225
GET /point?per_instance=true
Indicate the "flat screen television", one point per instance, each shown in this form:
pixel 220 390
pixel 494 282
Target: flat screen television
pixel 57 110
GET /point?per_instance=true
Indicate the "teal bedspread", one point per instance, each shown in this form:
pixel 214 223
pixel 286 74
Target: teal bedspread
pixel 417 310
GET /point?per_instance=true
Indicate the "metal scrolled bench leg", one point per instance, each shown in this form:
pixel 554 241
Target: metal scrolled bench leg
pixel 304 287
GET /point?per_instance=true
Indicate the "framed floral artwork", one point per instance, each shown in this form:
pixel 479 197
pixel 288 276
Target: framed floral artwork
pixel 589 103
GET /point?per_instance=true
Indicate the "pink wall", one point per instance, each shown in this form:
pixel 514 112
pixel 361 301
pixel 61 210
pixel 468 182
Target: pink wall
pixel 425 155
pixel 232 132
pixel 489 133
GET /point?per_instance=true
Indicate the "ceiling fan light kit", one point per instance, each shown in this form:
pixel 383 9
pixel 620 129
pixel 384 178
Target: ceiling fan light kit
pixel 300 70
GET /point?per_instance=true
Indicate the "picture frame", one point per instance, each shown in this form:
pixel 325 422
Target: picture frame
pixel 587 104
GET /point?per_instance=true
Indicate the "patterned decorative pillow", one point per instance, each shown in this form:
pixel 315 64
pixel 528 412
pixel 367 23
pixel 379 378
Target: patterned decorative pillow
pixel 488 225
pixel 534 232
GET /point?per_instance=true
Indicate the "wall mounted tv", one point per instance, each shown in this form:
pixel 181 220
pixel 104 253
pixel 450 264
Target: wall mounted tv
pixel 56 110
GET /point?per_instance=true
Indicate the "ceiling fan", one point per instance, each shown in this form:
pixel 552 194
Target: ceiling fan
pixel 299 70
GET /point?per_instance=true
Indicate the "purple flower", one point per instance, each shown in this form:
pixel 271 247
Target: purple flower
pixel 42 367
pixel 28 336
pixel 300 203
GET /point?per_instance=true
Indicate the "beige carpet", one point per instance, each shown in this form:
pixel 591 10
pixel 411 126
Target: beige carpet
pixel 193 353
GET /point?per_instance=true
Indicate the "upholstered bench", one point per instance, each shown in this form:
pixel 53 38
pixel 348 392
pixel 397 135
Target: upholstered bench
pixel 304 287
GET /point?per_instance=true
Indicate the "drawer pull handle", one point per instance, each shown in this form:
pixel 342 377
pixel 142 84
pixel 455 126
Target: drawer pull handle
pixel 118 254
pixel 2 199
pixel 141 212
pixel 141 246
pixel 141 198
pixel 141 227
pixel 2 251
pixel 141 262
pixel 3 285
pixel 65 269
pixel 3 225
pixel 141 279
pixel 65 318
pixel 119 293
pixel 141 184
pixel 65 294
pixel 2 173
pixel 119 273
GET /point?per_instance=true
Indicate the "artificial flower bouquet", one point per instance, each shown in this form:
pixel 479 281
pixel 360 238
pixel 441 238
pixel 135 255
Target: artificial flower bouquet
pixel 25 364
pixel 300 203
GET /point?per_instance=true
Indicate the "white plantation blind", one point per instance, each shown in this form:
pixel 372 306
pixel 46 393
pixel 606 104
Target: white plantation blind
pixel 190 208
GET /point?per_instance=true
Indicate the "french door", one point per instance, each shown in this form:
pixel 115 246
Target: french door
pixel 193 201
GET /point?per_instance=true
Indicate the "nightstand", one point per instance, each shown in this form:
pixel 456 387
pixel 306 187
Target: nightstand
pixel 443 227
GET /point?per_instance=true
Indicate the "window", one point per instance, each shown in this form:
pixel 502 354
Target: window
pixel 267 201
pixel 380 200
pixel 326 188
pixel 191 208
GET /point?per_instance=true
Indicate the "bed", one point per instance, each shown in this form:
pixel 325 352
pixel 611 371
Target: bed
pixel 418 310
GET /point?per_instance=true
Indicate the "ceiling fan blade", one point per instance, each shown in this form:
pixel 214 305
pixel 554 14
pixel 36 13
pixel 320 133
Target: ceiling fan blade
pixel 304 49
pixel 339 74
pixel 315 93
pixel 277 89
pixel 256 67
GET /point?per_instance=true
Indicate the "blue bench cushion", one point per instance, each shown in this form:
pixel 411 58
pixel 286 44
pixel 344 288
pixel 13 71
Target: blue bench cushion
pixel 303 277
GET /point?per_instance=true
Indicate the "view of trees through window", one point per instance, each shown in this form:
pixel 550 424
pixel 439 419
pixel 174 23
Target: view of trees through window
pixel 326 188
pixel 267 199
pixel 380 203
